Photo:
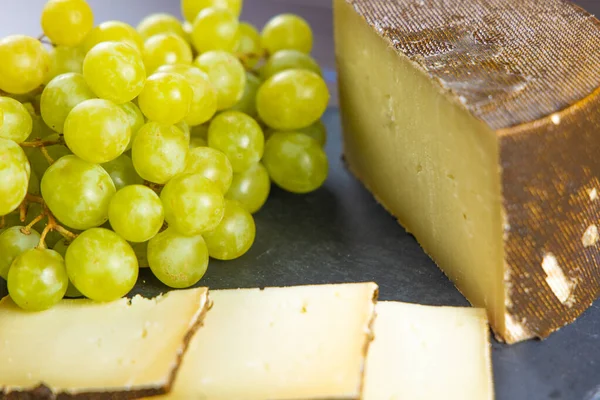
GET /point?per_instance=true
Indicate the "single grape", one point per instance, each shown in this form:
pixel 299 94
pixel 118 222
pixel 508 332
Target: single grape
pixel 212 164
pixel 204 101
pixel 191 8
pixel 136 119
pixel 61 248
pixel 288 59
pixel 192 203
pixel 60 96
pixel 78 192
pixel 97 131
pixel 166 49
pixel 39 164
pixel 234 236
pixel 247 103
pixel 37 279
pixel 67 22
pixel 155 24
pixel 215 29
pixel 113 31
pixel 248 45
pixel 239 137
pixel 13 242
pixel 25 63
pixel 136 213
pixel 14 175
pixel 114 71
pixel 287 32
pixel 296 162
pixel 101 265
pixel 17 123
pixel 159 152
pixel 196 142
pixel 292 99
pixel 227 75
pixel 141 252
pixel 64 59
pixel 122 172
pixel 166 98
pixel 250 188
pixel 177 261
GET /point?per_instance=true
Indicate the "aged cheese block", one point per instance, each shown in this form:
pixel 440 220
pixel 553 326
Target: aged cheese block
pixel 305 342
pixel 119 350
pixel 429 353
pixel 477 124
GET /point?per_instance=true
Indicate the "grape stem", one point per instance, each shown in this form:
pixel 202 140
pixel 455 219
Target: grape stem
pixel 246 58
pixel 23 211
pixel 154 186
pixel 47 155
pixel 43 143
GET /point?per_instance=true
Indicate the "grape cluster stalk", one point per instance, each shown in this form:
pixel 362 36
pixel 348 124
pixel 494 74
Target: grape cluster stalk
pixel 127 147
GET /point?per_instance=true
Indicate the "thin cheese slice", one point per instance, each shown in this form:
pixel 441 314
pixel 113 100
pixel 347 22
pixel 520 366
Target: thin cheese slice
pixel 305 342
pixel 122 349
pixel 429 353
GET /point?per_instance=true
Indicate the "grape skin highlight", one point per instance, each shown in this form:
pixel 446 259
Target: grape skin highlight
pixel 25 63
pixel 227 75
pixel 166 98
pixel 136 213
pixel 67 22
pixel 16 122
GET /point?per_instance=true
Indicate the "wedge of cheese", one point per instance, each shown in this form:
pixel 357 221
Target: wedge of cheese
pixel 306 342
pixel 118 350
pixel 429 353
pixel 476 123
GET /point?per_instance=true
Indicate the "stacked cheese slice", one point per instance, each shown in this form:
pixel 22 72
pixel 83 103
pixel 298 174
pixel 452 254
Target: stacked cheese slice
pixel 305 342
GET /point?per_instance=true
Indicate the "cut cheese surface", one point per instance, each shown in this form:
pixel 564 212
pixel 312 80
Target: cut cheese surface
pixel 78 346
pixel 429 353
pixel 475 124
pixel 305 342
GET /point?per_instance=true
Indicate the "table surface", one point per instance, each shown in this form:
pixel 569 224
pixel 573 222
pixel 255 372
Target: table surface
pixel 340 234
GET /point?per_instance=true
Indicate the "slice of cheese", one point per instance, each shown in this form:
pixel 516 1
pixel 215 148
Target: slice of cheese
pixel 476 124
pixel 123 349
pixel 305 342
pixel 429 353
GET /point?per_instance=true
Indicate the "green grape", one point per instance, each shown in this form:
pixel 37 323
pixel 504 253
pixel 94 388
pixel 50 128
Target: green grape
pixel 166 98
pixel 191 8
pixel 292 99
pixel 192 203
pixel 136 120
pixel 287 32
pixel 25 63
pixel 196 142
pixel 17 123
pixel 317 131
pixel 288 59
pixel 39 164
pixel 234 236
pixel 141 252
pixel 97 131
pixel 159 152
pixel 60 96
pixel 64 59
pixel 204 101
pixel 13 243
pixel 114 31
pixel 78 192
pixel 188 28
pixel 122 172
pixel 166 49
pixel 61 248
pixel 101 265
pixel 114 71
pixel 67 22
pixel 177 261
pixel 239 137
pixel 250 188
pixel 247 103
pixel 155 24
pixel 200 131
pixel 248 45
pixel 227 75
pixel 215 29
pixel 14 175
pixel 136 213
pixel 212 164
pixel 37 279
pixel 296 162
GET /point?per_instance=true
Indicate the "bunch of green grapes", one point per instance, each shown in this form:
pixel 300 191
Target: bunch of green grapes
pixel 125 147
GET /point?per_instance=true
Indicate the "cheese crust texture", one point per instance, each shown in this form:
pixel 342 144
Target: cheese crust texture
pixel 429 353
pixel 125 349
pixel 303 342
pixel 476 123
